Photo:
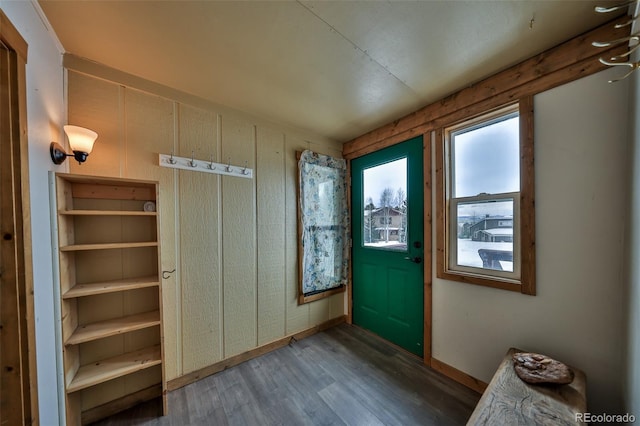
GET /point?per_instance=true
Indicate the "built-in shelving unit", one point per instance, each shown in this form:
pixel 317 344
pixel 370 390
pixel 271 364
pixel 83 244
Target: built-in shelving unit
pixel 110 294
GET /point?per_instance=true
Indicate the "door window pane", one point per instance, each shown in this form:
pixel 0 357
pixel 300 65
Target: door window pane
pixel 384 218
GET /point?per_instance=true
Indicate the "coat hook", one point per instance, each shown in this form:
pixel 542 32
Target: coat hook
pixel 625 24
pixel 633 69
pixel 623 55
pixel 192 163
pixel 604 9
pixel 635 37
pixel 626 64
pixel 633 65
pixel 206 166
pixel 167 274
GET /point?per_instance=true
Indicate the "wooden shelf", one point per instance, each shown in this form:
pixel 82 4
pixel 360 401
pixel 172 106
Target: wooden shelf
pixel 113 327
pixel 106 213
pixel 102 220
pixel 107 246
pixel 111 368
pixel 92 289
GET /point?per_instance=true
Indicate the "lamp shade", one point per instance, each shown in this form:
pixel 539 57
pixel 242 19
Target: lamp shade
pixel 80 139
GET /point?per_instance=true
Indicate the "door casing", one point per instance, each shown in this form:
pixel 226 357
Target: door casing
pixel 19 383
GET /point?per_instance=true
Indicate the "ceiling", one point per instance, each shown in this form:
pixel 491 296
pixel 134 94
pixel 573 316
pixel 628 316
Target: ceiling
pixel 337 68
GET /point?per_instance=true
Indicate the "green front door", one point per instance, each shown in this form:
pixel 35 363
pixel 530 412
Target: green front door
pixel 387 220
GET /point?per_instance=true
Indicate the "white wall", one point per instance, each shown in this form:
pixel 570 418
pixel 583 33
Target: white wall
pixel 46 115
pixel 581 194
pixel 632 390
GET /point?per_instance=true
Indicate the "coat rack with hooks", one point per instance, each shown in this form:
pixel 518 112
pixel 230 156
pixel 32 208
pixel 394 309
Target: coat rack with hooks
pixel 205 166
pixel 632 40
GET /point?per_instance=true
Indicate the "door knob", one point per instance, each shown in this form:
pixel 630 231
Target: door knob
pixel 416 259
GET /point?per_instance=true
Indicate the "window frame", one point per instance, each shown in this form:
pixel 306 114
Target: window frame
pixel 524 207
pixel 325 293
pixel 453 240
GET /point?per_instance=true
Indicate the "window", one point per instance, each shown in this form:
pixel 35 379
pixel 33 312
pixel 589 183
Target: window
pixel 486 205
pixel 384 188
pixel 385 221
pixel 323 226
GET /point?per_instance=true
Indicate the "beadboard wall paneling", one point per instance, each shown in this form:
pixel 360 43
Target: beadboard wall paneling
pixel 231 240
pixel 148 122
pixel 270 184
pixel 239 256
pixel 199 240
pixel 297 316
pixel 98 105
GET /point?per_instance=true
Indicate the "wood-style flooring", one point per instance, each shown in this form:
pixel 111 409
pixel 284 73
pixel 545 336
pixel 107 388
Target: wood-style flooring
pixel 341 376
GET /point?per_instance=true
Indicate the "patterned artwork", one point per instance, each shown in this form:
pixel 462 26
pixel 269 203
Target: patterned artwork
pixel 325 222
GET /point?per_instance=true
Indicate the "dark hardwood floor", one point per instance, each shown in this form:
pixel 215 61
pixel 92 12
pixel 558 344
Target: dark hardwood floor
pixel 341 376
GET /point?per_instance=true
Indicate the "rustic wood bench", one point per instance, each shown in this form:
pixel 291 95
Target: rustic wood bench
pixel 510 401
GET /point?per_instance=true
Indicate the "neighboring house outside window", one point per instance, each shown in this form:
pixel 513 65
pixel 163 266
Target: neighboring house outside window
pixel 391 224
pixel 485 235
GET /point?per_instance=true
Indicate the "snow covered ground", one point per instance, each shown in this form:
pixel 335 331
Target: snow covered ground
pixel 391 245
pixel 468 252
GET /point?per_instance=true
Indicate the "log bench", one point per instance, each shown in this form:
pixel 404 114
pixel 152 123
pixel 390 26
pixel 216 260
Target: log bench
pixel 510 401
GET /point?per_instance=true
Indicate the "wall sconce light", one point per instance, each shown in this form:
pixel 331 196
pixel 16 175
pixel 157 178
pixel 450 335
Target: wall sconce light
pixel 81 142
